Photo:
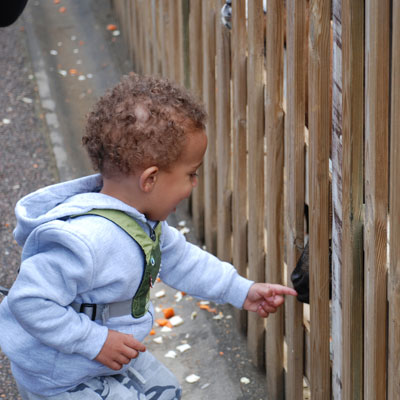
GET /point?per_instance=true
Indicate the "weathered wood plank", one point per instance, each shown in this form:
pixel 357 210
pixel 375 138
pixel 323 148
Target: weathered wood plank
pixel 319 131
pixel 352 199
pixel 223 114
pixel 239 103
pixel 210 164
pixel 394 288
pixel 274 131
pixel 196 86
pixel 255 188
pixel 376 194
pixel 295 185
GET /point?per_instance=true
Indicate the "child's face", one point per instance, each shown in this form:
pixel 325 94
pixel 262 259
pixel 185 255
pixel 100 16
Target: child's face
pixel 177 183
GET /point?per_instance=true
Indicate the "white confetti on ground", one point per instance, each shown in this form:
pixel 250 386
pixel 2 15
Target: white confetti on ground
pixel 192 378
pixel 170 354
pixel 183 347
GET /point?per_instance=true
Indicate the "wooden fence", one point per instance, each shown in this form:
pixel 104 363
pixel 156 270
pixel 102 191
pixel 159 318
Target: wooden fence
pixel 285 102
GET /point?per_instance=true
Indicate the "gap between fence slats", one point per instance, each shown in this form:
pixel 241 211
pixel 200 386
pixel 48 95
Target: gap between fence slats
pixel 337 218
pixel 239 102
pixel 376 195
pixel 255 188
pixel 295 185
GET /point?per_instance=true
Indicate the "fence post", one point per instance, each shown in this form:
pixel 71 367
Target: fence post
pixel 295 185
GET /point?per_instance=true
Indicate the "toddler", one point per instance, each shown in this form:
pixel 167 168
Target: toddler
pixel 75 318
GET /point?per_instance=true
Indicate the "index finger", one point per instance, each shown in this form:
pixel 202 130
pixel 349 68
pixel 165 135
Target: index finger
pixel 282 290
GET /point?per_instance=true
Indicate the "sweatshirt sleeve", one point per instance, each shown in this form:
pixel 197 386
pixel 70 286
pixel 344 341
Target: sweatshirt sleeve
pixel 188 268
pixel 47 283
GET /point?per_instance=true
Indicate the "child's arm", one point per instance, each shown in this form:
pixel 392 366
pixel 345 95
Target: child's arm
pixel 265 298
pixel 119 349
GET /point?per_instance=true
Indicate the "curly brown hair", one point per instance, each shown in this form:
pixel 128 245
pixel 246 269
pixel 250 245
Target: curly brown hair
pixel 142 121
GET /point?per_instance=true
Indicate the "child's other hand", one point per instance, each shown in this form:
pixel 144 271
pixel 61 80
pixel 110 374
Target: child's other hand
pixel 119 349
pixel 265 298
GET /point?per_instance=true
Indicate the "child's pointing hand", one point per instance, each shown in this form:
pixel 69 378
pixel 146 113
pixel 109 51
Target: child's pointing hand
pixel 265 298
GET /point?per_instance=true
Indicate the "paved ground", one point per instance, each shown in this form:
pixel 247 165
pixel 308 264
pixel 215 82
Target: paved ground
pixel 53 66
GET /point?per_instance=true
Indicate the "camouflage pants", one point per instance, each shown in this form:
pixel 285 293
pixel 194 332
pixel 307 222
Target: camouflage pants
pixel 148 380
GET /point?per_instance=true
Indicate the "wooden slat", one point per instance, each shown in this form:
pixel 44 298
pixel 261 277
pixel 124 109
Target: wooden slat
pixel 158 40
pixel 239 102
pixel 196 86
pixel 394 288
pixel 255 188
pixel 163 22
pixel 274 131
pixel 178 39
pixel 185 42
pixel 223 129
pixel 147 31
pixel 295 185
pixel 136 36
pixel 210 164
pixel 352 199
pixel 376 194
pixel 319 131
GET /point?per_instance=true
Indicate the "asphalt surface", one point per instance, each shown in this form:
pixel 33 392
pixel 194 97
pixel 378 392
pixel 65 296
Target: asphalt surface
pixel 53 66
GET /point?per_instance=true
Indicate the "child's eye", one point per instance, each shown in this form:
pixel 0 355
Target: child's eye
pixel 194 175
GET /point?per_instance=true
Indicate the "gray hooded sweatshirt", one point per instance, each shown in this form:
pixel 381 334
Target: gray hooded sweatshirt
pixel 89 260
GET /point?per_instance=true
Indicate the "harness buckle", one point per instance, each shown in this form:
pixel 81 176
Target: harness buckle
pixel 83 307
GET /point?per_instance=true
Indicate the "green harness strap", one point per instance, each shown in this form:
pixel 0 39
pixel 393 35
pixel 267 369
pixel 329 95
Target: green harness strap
pixel 151 250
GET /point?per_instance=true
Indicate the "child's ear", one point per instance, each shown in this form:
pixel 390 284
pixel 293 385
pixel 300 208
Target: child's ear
pixel 148 178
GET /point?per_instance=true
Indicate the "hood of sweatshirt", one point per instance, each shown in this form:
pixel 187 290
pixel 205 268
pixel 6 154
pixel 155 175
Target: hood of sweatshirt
pixel 65 199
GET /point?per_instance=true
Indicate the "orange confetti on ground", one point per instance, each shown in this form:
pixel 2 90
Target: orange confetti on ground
pixel 81 43
pixel 62 9
pixel 168 312
pixel 73 71
pixel 152 332
pixel 111 27
pixel 56 1
pixel 6 225
pixel 207 308
pixel 161 322
pixel 221 353
pixel 158 280
pixel 169 325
